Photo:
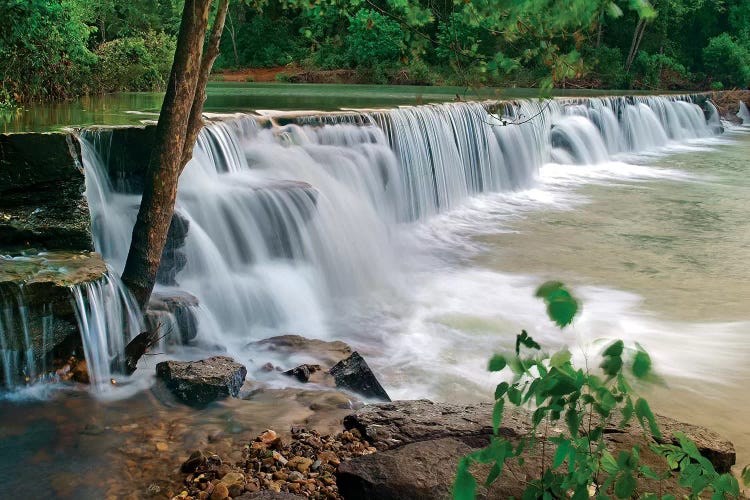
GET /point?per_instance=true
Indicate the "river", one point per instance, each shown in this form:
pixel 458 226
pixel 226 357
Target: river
pixel 425 255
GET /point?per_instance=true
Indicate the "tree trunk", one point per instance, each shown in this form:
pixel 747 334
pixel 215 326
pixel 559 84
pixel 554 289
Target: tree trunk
pixel 180 115
pixel 637 37
pixel 232 35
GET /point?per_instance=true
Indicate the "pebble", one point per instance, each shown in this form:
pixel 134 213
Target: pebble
pixel 304 466
pixel 220 492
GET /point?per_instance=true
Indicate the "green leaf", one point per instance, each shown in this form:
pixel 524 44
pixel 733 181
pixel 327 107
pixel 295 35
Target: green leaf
pixel 608 462
pixel 560 358
pixel 464 487
pixel 548 288
pixel 497 414
pixel 561 454
pixel 562 308
pixel 641 364
pixel 746 475
pixel 625 485
pixel 494 473
pixel 687 445
pixel 525 340
pixel 614 349
pixel 649 473
pixel 643 412
pixel 501 389
pixel 497 363
pixel 614 10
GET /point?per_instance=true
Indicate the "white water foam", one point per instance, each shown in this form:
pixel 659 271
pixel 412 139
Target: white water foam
pixel 310 229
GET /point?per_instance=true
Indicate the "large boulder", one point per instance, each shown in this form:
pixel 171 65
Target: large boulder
pixel 421 442
pixel 354 374
pixel 198 383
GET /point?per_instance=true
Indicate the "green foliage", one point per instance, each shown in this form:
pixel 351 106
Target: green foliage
pixel 728 61
pixel 43 52
pixel 651 69
pixel 373 39
pixel 262 42
pixel 585 404
pixel 135 63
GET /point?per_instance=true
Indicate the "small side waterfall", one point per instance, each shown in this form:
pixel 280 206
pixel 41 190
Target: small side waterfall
pixel 107 318
pixel 744 114
pixel 289 224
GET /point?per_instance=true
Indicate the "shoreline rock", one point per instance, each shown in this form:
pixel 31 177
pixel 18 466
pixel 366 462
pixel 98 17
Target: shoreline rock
pixel 199 383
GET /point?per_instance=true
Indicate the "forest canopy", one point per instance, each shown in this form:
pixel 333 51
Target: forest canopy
pixel 57 49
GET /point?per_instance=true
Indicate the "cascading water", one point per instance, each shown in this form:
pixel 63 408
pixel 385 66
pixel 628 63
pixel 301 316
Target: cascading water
pixel 289 224
pixel 107 317
pixel 744 114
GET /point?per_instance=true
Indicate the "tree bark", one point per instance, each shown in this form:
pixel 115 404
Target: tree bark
pixel 207 62
pixel 637 37
pixel 168 157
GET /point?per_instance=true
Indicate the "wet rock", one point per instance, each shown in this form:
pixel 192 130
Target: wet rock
pixel 42 204
pixel 220 492
pixel 174 312
pixel 311 351
pixel 391 425
pixel 198 383
pixel 80 372
pixel 173 258
pixel 417 470
pixel 35 297
pixel 303 372
pixel 354 374
pixel 267 495
pixel 195 460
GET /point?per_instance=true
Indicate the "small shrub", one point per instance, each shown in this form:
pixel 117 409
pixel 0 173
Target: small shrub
pixel 281 77
pixel 139 63
pixel 717 86
pixel 585 404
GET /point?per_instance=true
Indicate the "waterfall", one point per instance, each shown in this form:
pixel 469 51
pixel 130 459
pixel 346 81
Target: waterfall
pixel 107 318
pixel 744 114
pixel 288 224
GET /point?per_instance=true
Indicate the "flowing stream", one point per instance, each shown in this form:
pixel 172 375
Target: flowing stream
pixel 419 234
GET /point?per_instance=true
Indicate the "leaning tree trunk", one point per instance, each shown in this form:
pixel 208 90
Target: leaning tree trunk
pixel 637 37
pixel 176 132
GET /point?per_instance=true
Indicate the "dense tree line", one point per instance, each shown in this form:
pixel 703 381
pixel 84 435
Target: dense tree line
pixel 63 48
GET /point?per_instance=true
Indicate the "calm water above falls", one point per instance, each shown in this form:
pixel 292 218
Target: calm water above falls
pixel 433 226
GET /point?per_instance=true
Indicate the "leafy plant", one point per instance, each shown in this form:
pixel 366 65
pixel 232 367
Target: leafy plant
pixel 588 404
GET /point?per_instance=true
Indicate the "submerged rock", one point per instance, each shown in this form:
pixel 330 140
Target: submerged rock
pixel 312 351
pixel 355 375
pixel 198 383
pixel 303 372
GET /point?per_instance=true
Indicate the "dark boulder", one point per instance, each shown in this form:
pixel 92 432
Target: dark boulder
pixel 355 375
pixel 423 470
pixel 198 383
pixel 303 372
